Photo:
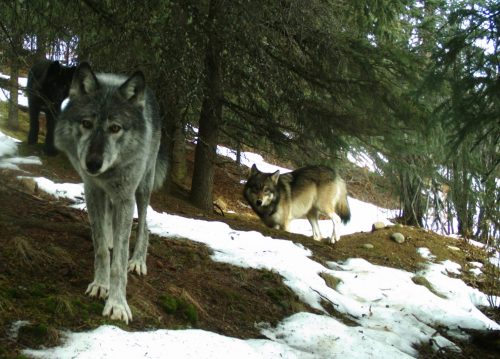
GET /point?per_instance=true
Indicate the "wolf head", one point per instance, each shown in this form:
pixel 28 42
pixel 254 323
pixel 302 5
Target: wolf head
pixel 261 190
pixel 95 128
pixel 58 79
pixel 53 83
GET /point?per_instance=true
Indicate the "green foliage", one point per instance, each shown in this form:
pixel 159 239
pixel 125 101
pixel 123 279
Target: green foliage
pixel 179 307
pixel 169 304
pixel 315 79
pixel 188 311
pixel 34 334
pixel 466 110
pixel 467 65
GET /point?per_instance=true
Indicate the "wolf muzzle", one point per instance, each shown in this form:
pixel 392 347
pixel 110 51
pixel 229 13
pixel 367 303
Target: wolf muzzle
pixel 94 163
pixel 94 158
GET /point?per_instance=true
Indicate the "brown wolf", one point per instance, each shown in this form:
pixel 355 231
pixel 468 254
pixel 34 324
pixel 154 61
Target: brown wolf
pixel 306 192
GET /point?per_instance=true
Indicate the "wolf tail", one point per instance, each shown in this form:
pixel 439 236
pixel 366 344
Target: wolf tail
pixel 161 168
pixel 342 206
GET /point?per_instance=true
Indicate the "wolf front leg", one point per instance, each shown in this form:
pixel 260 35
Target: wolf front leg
pixel 98 206
pixel 312 216
pixel 137 263
pixel 49 147
pixel 116 305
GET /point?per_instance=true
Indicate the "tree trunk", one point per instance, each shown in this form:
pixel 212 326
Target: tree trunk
pixel 178 167
pixel 238 153
pixel 40 48
pixel 411 198
pixel 13 119
pixel 210 117
pixel 462 199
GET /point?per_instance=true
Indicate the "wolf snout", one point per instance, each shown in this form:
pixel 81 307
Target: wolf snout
pixel 93 163
pixel 259 202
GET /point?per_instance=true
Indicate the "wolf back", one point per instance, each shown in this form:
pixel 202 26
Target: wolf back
pixel 111 132
pixel 306 192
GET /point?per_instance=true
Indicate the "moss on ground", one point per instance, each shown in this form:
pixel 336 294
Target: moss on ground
pixel 179 307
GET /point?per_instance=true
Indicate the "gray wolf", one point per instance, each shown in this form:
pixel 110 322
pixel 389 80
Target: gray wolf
pixel 48 85
pixel 111 132
pixel 306 192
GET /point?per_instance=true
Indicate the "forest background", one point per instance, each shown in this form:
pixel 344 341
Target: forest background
pixel 415 85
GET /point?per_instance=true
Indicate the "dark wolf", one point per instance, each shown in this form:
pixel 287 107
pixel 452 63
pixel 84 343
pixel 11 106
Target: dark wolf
pixel 48 85
pixel 111 132
pixel 306 192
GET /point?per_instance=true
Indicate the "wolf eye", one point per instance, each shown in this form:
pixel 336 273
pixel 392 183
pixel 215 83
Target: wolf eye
pixel 87 124
pixel 114 128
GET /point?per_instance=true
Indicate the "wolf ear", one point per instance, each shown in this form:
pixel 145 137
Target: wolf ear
pixel 84 81
pixel 275 176
pixel 49 72
pixel 134 89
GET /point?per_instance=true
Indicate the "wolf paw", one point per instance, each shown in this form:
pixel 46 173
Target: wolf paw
pixel 117 310
pixel 329 240
pixel 97 290
pixel 137 266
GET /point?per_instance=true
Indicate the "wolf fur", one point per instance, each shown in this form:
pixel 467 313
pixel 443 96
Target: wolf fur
pixel 48 85
pixel 111 132
pixel 306 192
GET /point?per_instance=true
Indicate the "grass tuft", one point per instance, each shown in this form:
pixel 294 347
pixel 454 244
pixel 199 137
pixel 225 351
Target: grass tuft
pixel 179 307
pixel 420 280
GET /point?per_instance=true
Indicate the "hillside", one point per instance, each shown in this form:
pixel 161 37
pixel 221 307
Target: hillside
pixel 46 261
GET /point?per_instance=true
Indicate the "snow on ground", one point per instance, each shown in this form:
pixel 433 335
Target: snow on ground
pixel 5 95
pixel 109 342
pixel 392 313
pixel 73 191
pixel 425 253
pixel 249 159
pixel 8 146
pixel 23 81
pixel 363 215
pixel 8 149
pixel 494 256
pixel 12 162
